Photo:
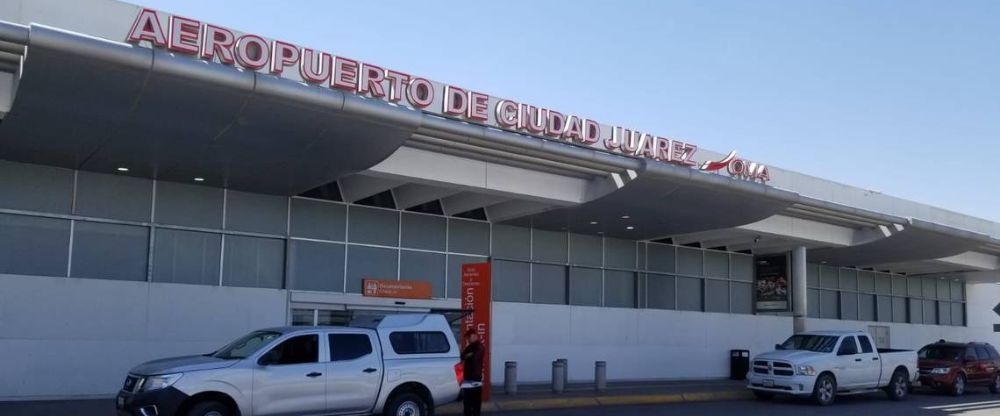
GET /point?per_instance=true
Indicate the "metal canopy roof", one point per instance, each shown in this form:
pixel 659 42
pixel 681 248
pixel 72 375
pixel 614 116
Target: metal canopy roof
pixel 918 240
pixel 97 105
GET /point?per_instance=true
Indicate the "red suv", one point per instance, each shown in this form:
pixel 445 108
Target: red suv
pixel 952 366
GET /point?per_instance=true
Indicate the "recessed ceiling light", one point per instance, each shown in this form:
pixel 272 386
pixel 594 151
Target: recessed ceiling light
pixel 602 233
pixel 630 228
pixel 625 217
pixel 593 223
pixel 122 169
pixel 199 179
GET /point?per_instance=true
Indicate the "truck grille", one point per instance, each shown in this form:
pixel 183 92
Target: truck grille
pixel 775 368
pixel 131 384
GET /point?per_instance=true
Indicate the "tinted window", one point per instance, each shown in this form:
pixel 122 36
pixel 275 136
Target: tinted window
pixel 419 342
pixel 982 353
pixel 941 353
pixel 993 352
pixel 848 347
pixel 246 346
pixel 970 353
pixel 815 343
pixel 866 344
pixel 296 350
pixel 345 347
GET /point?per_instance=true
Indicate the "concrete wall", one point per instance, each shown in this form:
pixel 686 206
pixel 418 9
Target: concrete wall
pixel 64 337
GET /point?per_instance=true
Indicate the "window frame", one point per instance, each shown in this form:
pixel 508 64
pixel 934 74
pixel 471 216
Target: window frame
pixel 330 344
pixel 319 349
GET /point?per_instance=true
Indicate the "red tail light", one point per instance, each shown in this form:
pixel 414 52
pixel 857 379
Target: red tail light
pixel 459 372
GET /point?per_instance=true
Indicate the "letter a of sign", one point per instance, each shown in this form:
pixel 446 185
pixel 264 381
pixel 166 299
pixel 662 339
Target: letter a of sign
pixel 476 298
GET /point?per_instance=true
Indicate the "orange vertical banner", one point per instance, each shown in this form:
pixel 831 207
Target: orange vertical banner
pixel 476 297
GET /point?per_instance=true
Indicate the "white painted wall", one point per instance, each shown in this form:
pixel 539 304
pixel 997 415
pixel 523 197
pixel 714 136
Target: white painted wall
pixel 65 337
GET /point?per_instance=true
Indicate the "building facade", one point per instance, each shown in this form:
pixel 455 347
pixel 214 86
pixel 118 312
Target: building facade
pixel 161 194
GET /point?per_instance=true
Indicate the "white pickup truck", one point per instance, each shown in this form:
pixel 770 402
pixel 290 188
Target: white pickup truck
pixel 402 364
pixel 826 364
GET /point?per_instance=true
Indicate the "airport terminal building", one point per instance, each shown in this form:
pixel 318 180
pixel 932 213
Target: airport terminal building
pixel 167 184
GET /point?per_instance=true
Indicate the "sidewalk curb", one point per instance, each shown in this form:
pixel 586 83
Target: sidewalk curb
pixel 596 401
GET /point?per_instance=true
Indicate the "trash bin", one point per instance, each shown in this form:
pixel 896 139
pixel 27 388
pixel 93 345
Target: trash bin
pixel 739 364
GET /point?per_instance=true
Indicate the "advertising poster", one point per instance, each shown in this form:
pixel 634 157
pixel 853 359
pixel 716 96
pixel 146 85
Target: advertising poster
pixel 771 284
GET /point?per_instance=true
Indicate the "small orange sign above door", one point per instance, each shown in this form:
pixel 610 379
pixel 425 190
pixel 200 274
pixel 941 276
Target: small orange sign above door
pixel 405 289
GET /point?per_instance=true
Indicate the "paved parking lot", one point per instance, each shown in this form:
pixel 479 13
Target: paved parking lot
pixel 923 404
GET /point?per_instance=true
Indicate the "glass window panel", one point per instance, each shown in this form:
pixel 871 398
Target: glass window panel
pixel 619 289
pixel 957 290
pixel 958 314
pixel 884 304
pixel 930 312
pixel 369 263
pixel 660 291
pixel 372 226
pixel 110 251
pixel 35 188
pixel 619 253
pixel 898 309
pixel 548 284
pixel 321 220
pixel 585 286
pixel 186 204
pixel 253 262
pixel 929 288
pixel 302 317
pixel 883 284
pixel 689 261
pixel 426 232
pixel 898 286
pixel 943 289
pixel 113 196
pixel 256 213
pixel 455 262
pixel 828 277
pixel 585 250
pixel 716 264
pixel 316 266
pixel 689 293
pixel 33 245
pixel 425 267
pixel 741 296
pixel 661 258
pixel 944 313
pixel 848 279
pixel 866 281
pixel 549 246
pixel 511 281
pixel 717 296
pixel 829 304
pixel 468 237
pixel 812 303
pixel 742 267
pixel 916 311
pixel 190 257
pixel 511 242
pixel 640 255
pixel 812 275
pixel 866 306
pixel 913 287
pixel 849 306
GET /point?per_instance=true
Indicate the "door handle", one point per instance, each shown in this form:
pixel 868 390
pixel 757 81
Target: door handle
pixel 313 374
pixel 857 360
pixel 369 370
pixel 874 358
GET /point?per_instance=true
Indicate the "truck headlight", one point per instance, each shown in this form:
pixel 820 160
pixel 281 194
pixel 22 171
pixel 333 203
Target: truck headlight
pixel 941 371
pixel 805 370
pixel 159 382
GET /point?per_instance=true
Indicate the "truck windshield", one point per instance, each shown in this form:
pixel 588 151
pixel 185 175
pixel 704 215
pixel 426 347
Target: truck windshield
pixel 246 346
pixel 815 343
pixel 941 353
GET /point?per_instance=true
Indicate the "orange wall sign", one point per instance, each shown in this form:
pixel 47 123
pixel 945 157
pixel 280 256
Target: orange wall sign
pixel 405 289
pixel 476 298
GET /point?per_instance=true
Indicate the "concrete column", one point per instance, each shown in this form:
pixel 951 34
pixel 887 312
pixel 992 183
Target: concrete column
pixel 800 296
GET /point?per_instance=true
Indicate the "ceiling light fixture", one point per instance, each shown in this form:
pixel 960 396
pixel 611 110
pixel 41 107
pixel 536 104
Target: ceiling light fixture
pixel 122 169
pixel 593 223
pixel 625 217
pixel 199 179
pixel 630 228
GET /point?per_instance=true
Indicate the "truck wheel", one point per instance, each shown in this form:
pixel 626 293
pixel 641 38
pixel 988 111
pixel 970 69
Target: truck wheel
pixel 825 390
pixel 995 386
pixel 898 386
pixel 208 408
pixel 406 404
pixel 763 395
pixel 958 386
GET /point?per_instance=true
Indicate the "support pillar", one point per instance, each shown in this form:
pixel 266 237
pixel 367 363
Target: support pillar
pixel 800 296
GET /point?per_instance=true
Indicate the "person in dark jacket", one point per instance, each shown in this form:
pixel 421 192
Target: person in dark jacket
pixel 472 361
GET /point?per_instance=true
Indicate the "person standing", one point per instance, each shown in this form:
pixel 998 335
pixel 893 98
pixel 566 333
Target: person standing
pixel 472 362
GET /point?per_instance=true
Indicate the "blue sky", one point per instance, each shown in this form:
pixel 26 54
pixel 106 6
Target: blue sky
pixel 902 97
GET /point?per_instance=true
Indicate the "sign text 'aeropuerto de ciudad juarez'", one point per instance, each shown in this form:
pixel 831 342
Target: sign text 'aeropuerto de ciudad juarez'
pixel 251 52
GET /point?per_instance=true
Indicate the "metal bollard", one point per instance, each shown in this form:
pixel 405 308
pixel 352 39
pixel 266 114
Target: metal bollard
pixel 600 376
pixel 558 376
pixel 510 377
pixel 565 364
